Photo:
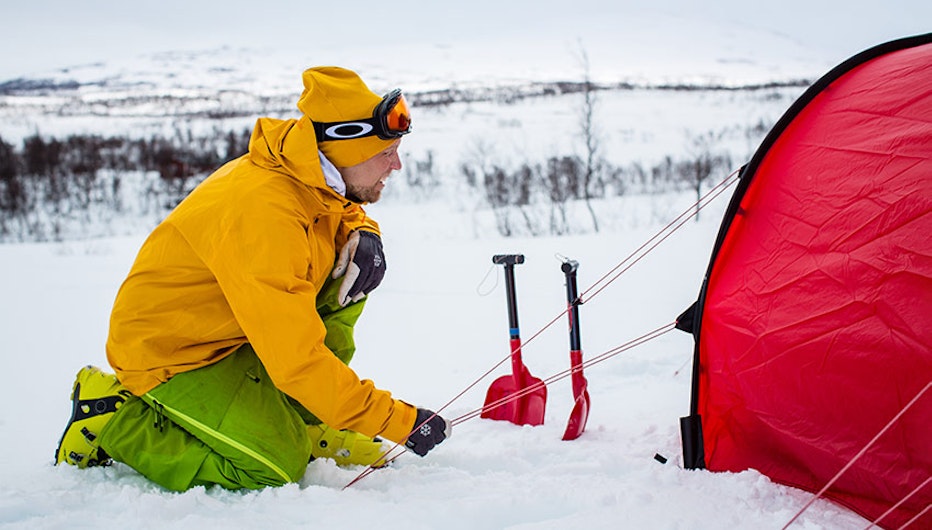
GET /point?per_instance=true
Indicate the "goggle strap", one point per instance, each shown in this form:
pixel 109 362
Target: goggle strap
pixel 377 125
pixel 358 129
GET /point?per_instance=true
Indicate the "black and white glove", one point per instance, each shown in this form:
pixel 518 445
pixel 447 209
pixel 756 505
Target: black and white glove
pixel 429 430
pixel 362 265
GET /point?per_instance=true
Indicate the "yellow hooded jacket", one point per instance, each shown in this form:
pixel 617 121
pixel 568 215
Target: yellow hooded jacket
pixel 242 259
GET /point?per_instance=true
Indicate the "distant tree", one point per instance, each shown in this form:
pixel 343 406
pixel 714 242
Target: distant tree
pixel 563 181
pixel 590 136
pixel 421 175
pixel 236 144
pixel 12 198
pixel 82 161
pixel 705 158
pixel 497 193
pixel 507 193
pixel 663 175
pixel 616 179
pixel 41 157
pixel 8 161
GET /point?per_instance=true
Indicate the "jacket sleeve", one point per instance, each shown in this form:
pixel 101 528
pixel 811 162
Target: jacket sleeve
pixel 355 218
pixel 263 257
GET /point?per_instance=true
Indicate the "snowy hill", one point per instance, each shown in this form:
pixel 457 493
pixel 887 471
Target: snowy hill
pixel 481 51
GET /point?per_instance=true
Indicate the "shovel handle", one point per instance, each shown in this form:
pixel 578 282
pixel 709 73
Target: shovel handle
pixel 569 268
pixel 577 422
pixel 509 261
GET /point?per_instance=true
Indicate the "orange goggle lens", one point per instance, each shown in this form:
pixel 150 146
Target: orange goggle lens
pixel 397 118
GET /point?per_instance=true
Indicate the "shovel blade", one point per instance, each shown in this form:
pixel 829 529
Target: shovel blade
pixel 577 422
pixel 525 410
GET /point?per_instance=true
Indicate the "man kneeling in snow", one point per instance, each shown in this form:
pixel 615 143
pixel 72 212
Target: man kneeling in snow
pixel 231 335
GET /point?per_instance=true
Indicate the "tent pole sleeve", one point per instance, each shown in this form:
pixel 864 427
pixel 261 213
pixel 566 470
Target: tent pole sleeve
pixel 693 450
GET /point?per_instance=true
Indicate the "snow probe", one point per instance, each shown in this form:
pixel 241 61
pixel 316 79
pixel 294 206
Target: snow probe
pixel 577 421
pixel 520 397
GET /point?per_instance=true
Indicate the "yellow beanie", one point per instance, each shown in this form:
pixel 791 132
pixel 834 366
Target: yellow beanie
pixel 333 94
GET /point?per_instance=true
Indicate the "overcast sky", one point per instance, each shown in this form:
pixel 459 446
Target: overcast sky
pixel 42 35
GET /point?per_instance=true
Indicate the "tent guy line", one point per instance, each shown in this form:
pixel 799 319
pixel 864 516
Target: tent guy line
pixel 638 254
pixel 385 459
pixel 633 343
pixel 856 457
pixel 890 510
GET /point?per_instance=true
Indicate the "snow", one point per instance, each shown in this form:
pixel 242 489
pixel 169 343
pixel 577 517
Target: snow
pixel 438 321
pixel 436 324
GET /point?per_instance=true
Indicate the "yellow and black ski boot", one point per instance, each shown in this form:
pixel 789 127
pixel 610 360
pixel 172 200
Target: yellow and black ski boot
pixel 345 447
pixel 95 397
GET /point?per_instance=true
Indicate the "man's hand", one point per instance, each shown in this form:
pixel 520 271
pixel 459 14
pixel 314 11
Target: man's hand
pixel 362 265
pixel 429 430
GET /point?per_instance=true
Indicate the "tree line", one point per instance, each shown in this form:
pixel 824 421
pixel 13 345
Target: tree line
pixel 53 189
pixel 555 196
pixel 49 184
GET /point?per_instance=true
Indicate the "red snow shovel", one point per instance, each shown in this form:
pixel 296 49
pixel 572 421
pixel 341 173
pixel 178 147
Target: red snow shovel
pixel 577 422
pixel 528 409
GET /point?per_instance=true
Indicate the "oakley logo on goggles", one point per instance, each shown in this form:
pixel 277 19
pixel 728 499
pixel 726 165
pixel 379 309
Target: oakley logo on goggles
pixel 390 119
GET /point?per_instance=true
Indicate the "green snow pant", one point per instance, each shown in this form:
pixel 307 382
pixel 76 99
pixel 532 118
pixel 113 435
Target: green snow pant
pixel 226 423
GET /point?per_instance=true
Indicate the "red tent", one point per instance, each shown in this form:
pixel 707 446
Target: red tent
pixel 814 323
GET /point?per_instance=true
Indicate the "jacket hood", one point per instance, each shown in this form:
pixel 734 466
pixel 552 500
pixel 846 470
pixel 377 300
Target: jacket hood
pixel 287 146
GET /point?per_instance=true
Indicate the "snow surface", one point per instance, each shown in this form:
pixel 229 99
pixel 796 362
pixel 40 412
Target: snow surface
pixel 436 324
pixel 438 321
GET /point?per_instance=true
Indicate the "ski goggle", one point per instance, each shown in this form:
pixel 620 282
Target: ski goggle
pixel 390 119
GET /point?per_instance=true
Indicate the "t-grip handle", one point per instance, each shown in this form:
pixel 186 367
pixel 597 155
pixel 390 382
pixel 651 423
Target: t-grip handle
pixel 508 259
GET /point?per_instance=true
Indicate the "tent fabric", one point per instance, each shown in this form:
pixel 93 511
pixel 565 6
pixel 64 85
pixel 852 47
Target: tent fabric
pixel 814 324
